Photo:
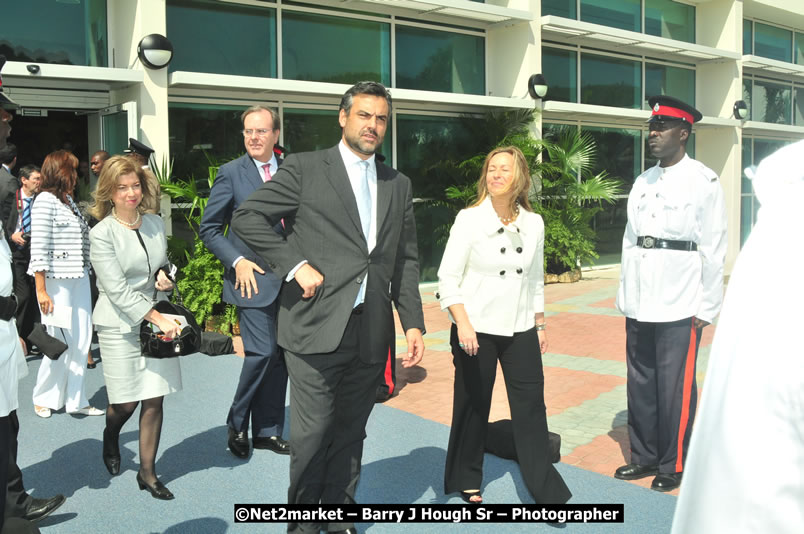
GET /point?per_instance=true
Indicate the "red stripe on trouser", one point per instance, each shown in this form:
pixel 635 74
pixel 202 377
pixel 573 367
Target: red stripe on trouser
pixel 689 369
pixel 389 379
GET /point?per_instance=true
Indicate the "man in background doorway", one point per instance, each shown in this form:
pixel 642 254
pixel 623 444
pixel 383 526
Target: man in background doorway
pixel 95 165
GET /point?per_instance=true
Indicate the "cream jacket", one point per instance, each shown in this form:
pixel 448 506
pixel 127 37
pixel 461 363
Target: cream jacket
pixel 495 271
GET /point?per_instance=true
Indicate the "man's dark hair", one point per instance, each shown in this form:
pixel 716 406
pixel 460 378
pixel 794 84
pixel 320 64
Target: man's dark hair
pixel 8 153
pixel 364 88
pixel 28 170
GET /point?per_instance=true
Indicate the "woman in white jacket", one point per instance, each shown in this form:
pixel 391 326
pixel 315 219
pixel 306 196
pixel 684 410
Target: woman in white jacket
pixel 491 280
pixel 60 266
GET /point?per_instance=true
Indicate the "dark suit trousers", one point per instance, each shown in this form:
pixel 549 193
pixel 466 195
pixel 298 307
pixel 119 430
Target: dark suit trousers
pixel 662 391
pixel 260 393
pixel 25 291
pixel 521 362
pixel 17 500
pixel 331 397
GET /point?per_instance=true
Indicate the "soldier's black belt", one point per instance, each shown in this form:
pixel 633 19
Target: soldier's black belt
pixel 646 241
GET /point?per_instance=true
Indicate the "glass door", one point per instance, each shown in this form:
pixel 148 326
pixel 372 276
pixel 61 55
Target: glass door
pixel 118 123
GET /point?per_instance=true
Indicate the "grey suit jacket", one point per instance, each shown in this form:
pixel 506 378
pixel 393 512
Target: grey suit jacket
pixel 125 281
pixel 311 191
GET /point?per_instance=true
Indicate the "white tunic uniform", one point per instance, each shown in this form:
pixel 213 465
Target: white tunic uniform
pixel 12 360
pixel 681 203
pixel 745 467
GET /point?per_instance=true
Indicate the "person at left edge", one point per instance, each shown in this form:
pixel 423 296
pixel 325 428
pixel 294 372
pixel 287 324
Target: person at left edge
pixel 17 508
pixel 252 286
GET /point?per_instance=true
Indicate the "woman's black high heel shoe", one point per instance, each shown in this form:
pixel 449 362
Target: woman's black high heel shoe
pixel 472 497
pixel 111 453
pixel 158 490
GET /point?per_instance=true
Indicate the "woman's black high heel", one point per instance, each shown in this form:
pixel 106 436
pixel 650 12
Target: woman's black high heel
pixel 158 490
pixel 111 453
pixel 467 496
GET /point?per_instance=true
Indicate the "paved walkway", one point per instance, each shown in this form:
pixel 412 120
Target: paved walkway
pixel 584 368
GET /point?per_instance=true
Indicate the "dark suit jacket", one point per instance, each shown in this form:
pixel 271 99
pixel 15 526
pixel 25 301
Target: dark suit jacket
pixel 10 225
pixel 234 183
pixel 312 192
pixel 8 186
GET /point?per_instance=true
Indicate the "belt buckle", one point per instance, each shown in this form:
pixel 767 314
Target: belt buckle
pixel 648 242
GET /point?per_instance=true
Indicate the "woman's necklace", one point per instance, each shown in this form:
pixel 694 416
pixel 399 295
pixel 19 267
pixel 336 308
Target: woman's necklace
pixel 126 223
pixel 512 218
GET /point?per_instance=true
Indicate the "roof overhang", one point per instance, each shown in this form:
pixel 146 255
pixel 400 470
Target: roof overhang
pixel 183 83
pixel 568 31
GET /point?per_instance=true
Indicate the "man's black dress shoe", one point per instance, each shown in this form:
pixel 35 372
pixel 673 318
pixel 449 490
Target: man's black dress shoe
pixel 111 453
pixel 238 443
pixel 635 471
pixel 273 443
pixel 351 530
pixel 666 482
pixel 41 508
pixel 158 490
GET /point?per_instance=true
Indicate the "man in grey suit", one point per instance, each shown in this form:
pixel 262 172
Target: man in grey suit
pixel 251 286
pixel 350 251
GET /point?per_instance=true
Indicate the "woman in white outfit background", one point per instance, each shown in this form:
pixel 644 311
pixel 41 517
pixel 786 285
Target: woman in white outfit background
pixel 60 266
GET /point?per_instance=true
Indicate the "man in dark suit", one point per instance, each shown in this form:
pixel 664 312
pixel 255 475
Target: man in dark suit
pixel 8 182
pixel 251 286
pixel 350 250
pixel 18 228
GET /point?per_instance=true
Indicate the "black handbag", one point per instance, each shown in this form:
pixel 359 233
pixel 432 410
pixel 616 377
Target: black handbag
pixel 155 345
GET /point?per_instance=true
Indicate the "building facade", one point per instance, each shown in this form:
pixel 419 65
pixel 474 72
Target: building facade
pixel 73 66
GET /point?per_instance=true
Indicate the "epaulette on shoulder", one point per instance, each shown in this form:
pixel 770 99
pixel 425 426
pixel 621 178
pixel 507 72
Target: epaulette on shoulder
pixel 705 171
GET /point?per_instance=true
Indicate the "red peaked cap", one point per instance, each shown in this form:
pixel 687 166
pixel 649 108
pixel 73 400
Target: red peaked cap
pixel 666 107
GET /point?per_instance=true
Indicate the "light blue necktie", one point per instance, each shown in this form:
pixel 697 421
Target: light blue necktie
pixel 363 198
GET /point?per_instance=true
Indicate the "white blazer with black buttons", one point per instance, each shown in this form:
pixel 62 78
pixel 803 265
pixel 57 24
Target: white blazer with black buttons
pixel 495 271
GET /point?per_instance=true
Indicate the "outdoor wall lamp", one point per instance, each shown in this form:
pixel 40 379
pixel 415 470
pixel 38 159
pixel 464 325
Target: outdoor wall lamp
pixel 740 110
pixel 537 86
pixel 155 51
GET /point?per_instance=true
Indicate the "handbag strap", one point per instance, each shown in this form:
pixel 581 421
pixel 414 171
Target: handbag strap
pixel 179 299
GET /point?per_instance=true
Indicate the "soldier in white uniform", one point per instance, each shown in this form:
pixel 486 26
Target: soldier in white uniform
pixel 671 286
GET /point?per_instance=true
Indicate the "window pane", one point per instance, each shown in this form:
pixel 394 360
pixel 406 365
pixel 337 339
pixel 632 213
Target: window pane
pixel 608 81
pixel 670 19
pixel 335 49
pixel 798 106
pixel 66 33
pixel 747 93
pixel 765 147
pixel 199 45
pixel 748 37
pixel 305 130
pixel 199 131
pixel 746 161
pixel 746 217
pixel 619 154
pixel 772 42
pixel 560 68
pixel 771 103
pixel 624 14
pixel 433 60
pixel 799 48
pixel 562 8
pixel 424 142
pixel 666 80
